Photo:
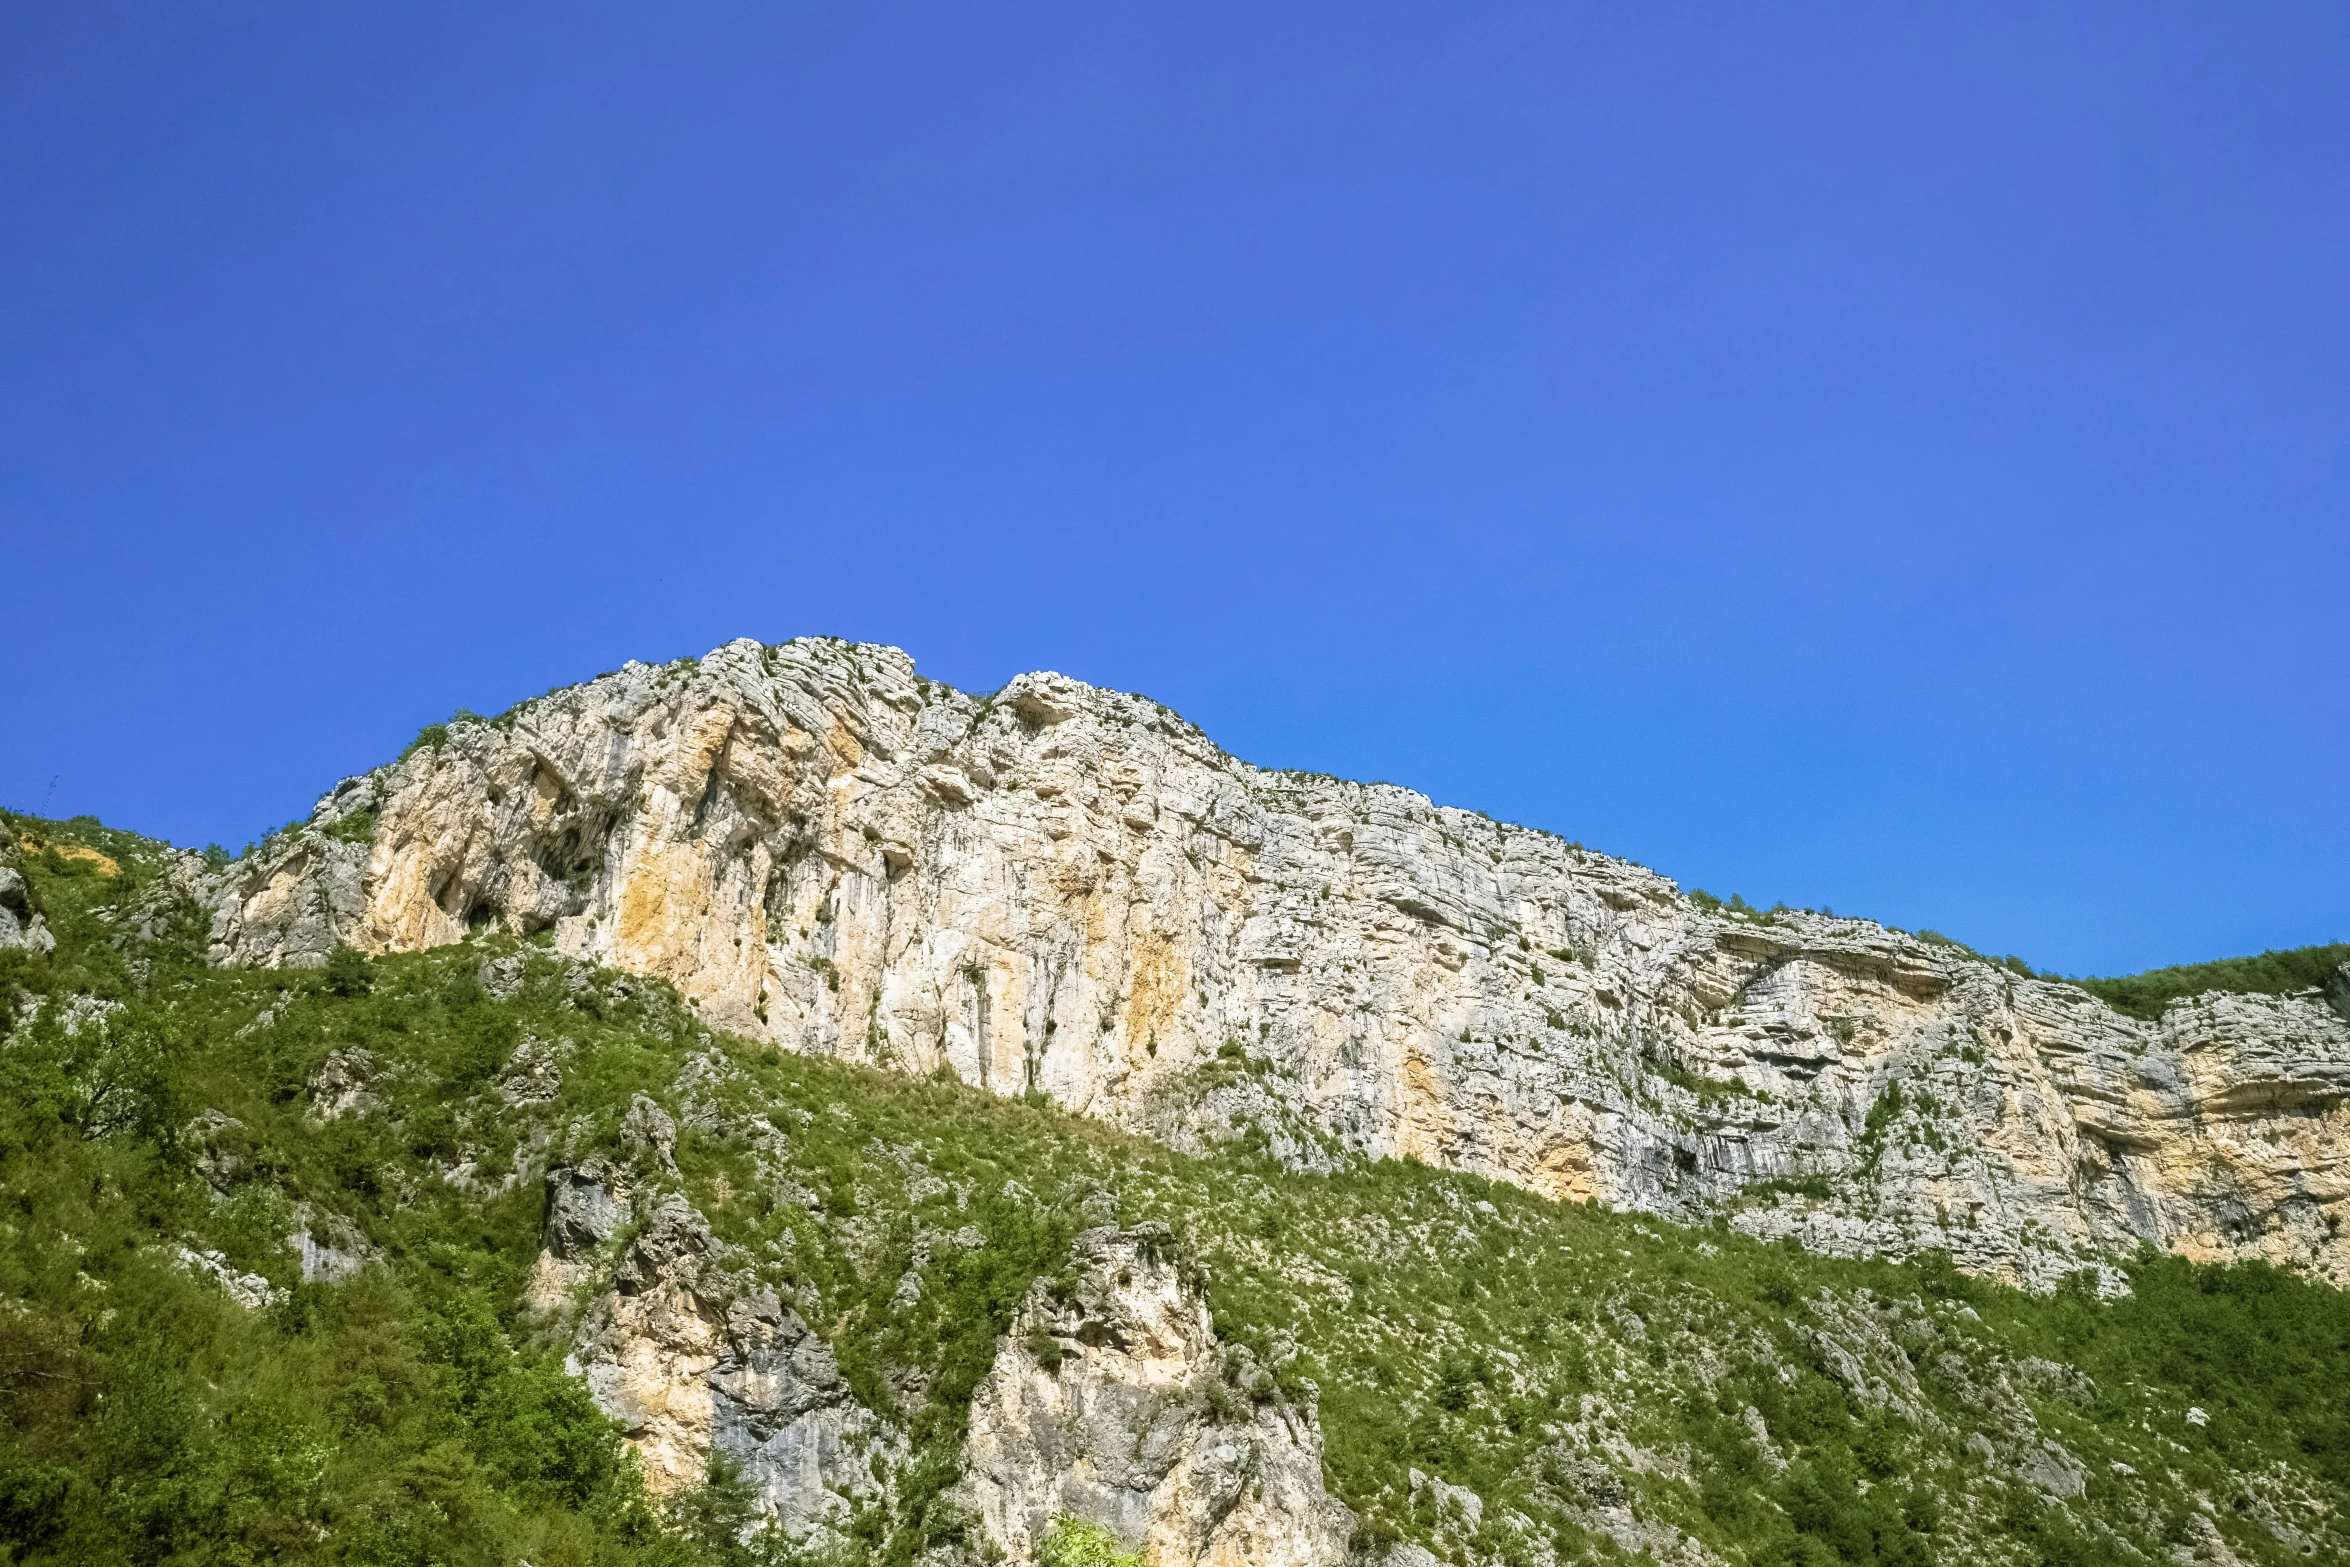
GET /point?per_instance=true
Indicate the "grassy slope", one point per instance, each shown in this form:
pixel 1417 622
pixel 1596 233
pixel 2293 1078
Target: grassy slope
pixel 1546 1356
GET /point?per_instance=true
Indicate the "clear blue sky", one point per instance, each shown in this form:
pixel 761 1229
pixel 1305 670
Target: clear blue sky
pixel 1890 457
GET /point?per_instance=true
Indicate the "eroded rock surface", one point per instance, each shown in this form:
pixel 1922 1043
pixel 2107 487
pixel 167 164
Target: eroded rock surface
pixel 21 924
pixel 1117 1407
pixel 693 1360
pixel 1073 890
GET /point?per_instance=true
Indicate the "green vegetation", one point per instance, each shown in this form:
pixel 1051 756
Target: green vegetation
pixel 1075 1544
pixel 145 1416
pixel 1709 1091
pixel 431 737
pixel 2270 974
pixel 434 736
pixel 2144 996
pixel 1587 1374
pixel 1735 906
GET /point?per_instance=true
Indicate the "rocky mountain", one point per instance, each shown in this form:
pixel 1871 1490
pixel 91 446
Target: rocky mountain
pixel 486 1253
pixel 1070 891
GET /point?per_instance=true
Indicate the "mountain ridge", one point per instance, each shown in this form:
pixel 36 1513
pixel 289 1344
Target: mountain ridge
pixel 1073 891
pixel 485 1253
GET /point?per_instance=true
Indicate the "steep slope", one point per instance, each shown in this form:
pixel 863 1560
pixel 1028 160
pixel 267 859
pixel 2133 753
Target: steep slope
pixel 294 1264
pixel 1066 890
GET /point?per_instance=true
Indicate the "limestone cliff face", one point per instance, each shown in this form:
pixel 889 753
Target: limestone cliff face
pixel 1069 889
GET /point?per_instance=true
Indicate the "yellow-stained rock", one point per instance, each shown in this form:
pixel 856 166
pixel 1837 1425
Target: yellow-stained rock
pixel 1070 889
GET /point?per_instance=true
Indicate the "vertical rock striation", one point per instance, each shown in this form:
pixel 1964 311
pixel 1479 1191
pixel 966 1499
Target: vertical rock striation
pixel 694 1360
pixel 1116 1408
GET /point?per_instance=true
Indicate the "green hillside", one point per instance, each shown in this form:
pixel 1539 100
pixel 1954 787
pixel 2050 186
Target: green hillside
pixel 1598 1380
pixel 2269 974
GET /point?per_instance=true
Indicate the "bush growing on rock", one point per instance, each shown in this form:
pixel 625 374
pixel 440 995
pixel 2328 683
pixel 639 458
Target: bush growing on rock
pixel 1075 1544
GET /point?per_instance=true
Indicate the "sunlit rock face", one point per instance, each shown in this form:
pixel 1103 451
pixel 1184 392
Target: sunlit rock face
pixel 692 1359
pixel 1071 890
pixel 1116 1407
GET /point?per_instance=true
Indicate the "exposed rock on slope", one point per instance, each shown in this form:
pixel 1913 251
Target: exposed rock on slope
pixel 21 924
pixel 1117 1408
pixel 692 1360
pixel 1109 1404
pixel 1070 889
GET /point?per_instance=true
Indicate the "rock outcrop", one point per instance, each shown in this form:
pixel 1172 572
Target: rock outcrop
pixel 1110 1405
pixel 21 924
pixel 1072 890
pixel 694 1361
pixel 1115 1408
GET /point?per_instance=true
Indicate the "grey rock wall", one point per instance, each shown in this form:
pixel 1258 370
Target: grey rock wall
pixel 1117 1408
pixel 1072 890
